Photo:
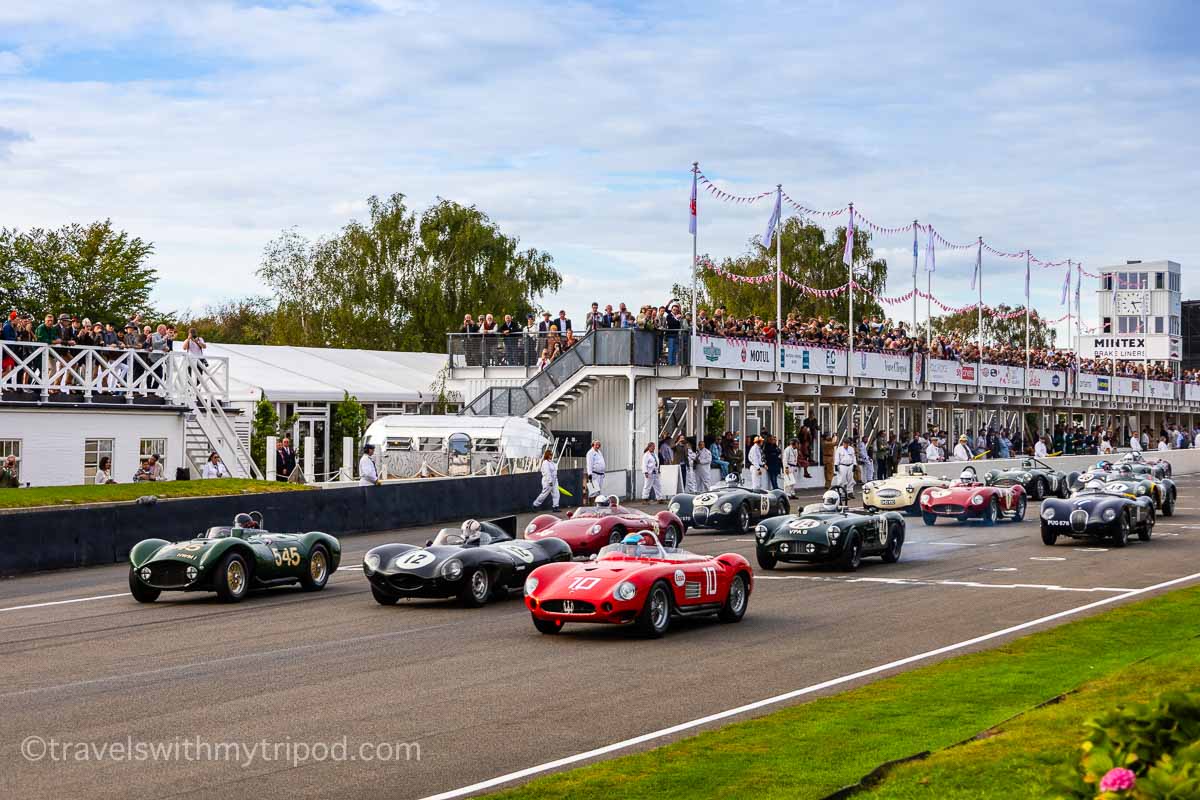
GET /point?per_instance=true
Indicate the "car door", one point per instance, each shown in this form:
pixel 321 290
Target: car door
pixel 875 533
pixel 696 583
pixel 524 558
pixel 279 555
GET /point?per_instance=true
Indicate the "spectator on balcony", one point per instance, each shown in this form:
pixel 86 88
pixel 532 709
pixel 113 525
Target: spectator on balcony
pixel 624 318
pixel 569 342
pixel 595 319
pixel 562 322
pixel 285 459
pixel 510 343
pixel 8 337
pixel 47 332
pixel 672 323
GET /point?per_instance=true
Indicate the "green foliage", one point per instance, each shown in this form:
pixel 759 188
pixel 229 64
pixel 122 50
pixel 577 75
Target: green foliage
pixel 251 320
pixel 995 331
pixel 347 418
pixel 1158 741
pixel 91 270
pixel 808 257
pixel 714 418
pixel 265 423
pixel 128 492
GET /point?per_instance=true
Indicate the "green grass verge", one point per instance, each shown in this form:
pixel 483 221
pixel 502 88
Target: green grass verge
pixel 814 749
pixel 119 492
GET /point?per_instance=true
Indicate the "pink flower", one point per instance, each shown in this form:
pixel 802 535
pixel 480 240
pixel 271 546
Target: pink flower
pixel 1117 779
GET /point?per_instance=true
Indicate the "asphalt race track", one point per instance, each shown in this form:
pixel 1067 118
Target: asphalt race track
pixel 479 691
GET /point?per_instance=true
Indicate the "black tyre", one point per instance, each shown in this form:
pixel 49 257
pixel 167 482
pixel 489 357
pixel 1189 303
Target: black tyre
pixel 1038 490
pixel 140 591
pixel 765 559
pixel 1145 531
pixel 991 512
pixel 618 533
pixel 547 626
pixel 852 555
pixel 734 607
pixel 915 508
pixel 1063 491
pixel 929 518
pixel 785 507
pixel 671 536
pixel 655 617
pixel 232 578
pixel 743 518
pixel 383 598
pixel 1168 506
pixel 476 589
pixel 1121 538
pixel 1019 514
pixel 891 553
pixel 1049 537
pixel 314 578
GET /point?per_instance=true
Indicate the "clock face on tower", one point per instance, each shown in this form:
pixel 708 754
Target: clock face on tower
pixel 1133 303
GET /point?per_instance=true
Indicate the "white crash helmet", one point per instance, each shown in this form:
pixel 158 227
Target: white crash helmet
pixel 601 499
pixel 1094 486
pixel 831 500
pixel 470 527
pixel 968 475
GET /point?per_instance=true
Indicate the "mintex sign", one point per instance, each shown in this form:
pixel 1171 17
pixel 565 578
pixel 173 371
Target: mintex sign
pixel 1155 347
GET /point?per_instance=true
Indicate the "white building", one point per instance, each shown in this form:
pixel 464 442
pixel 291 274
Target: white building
pixel 1139 305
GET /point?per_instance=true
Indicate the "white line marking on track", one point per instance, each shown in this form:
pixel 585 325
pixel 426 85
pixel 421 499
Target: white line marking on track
pixel 792 695
pixel 951 544
pixel 1046 558
pixel 1049 587
pixel 1090 549
pixel 997 569
pixel 65 602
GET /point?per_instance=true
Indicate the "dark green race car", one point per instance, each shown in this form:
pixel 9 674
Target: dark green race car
pixel 1036 477
pixel 232 560
pixel 829 532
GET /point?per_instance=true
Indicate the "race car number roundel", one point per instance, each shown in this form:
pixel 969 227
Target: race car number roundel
pixel 518 551
pixel 415 559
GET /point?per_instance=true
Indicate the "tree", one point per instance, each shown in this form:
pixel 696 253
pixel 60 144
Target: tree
pixel 347 418
pixel 809 258
pixel 714 417
pixel 93 270
pixel 996 331
pixel 265 423
pixel 250 320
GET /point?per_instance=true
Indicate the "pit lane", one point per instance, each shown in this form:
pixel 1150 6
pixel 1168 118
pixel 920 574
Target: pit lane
pixel 480 691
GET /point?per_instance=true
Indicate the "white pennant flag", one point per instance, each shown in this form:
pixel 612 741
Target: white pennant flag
pixel 1066 288
pixel 915 253
pixel 769 233
pixel 930 256
pixel 848 251
pixel 978 267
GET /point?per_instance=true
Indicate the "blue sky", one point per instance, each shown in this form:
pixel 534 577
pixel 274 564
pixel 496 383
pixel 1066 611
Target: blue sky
pixel 207 127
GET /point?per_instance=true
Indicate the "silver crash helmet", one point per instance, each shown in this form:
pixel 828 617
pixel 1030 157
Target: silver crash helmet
pixel 968 475
pixel 470 528
pixel 830 501
pixel 601 500
pixel 732 479
pixel 1094 486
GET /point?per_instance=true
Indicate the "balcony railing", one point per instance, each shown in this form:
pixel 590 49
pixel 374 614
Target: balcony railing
pixel 41 373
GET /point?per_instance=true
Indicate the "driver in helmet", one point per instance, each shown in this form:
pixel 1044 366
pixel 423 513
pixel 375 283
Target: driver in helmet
pixel 244 520
pixel 601 500
pixel 831 501
pixel 1027 463
pixel 916 469
pixel 968 476
pixel 1093 486
pixel 1125 470
pixel 732 480
pixel 631 545
pixel 470 531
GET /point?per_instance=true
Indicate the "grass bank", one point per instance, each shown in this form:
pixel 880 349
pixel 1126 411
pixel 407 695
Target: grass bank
pixel 815 749
pixel 120 492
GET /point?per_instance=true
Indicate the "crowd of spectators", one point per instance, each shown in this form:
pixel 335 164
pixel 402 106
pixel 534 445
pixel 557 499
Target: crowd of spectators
pixel 21 333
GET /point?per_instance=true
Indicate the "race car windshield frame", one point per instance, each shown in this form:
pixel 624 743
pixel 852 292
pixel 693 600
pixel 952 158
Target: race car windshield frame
pixel 451 537
pixel 617 552
pixel 595 512
pixel 218 532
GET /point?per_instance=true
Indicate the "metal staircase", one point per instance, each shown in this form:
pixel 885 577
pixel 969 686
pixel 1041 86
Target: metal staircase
pixel 209 429
pixel 674 420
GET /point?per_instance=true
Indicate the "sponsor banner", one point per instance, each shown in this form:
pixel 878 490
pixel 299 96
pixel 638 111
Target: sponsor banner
pixel 1091 383
pixel 1191 392
pixel 942 371
pixel 1161 390
pixel 1001 376
pixel 1127 387
pixel 733 354
pixel 892 366
pixel 1131 346
pixel 800 358
pixel 918 363
pixel 1047 380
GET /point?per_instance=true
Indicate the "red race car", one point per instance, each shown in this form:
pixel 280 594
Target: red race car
pixel 587 530
pixel 640 583
pixel 966 499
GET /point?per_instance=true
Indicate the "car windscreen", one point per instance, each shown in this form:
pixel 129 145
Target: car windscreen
pixel 219 532
pixel 620 551
pixel 449 537
pixel 593 513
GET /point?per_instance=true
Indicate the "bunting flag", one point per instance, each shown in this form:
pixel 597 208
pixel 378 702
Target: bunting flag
pixel 848 250
pixel 769 233
pixel 930 256
pixel 692 210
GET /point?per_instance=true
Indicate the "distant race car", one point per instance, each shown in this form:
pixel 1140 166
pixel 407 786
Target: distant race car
pixel 231 560
pixel 1099 510
pixel 1157 467
pixel 1035 476
pixel 729 507
pixel 640 583
pixel 476 562
pixel 902 491
pixel 587 530
pixel 968 499
pixel 829 532
pixel 1162 491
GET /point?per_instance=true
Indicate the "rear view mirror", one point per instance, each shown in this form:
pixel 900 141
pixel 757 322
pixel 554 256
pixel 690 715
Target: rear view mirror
pixel 428 542
pixel 592 557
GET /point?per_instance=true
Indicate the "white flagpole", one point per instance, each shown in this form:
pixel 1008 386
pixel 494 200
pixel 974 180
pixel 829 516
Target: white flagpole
pixel 929 293
pixel 1069 300
pixel 979 309
pixel 850 291
pixel 695 230
pixel 916 227
pixel 778 281
pixel 1028 254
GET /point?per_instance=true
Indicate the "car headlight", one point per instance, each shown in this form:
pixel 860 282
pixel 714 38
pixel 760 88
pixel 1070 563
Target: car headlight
pixel 761 531
pixel 530 528
pixel 531 584
pixel 1109 514
pixel 869 485
pixel 1047 513
pixel 192 573
pixel 1026 476
pixel 452 570
pixel 371 562
pixel 833 531
pixel 783 548
pixel 910 489
pixel 625 591
pixel 674 508
pixel 977 500
pixel 594 529
pixel 1141 489
pixel 727 507
pixel 144 573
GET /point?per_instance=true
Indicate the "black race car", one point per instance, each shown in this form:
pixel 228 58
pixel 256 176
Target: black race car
pixel 476 562
pixel 1036 477
pixel 829 532
pixel 1162 491
pixel 1157 468
pixel 729 507
pixel 1099 510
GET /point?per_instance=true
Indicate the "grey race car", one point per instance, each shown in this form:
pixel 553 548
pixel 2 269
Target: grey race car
pixel 729 507
pixel 829 532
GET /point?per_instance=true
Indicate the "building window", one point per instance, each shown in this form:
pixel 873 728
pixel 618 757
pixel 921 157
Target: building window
pixel 1174 326
pixel 1106 281
pixel 1158 324
pixel 1106 325
pixel 1158 280
pixel 153 447
pixel 11 447
pixel 1174 281
pixel 93 451
pixel 1130 325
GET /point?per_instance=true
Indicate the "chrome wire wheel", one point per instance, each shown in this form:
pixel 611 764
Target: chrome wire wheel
pixel 659 609
pixel 235 577
pixel 737 595
pixel 479 585
pixel 318 567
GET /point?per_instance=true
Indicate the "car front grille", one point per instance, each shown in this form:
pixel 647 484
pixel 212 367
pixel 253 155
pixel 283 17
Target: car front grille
pixel 1079 520
pixel 406 583
pixel 700 513
pixel 1005 482
pixel 568 607
pixel 947 508
pixel 168 575
pixel 889 492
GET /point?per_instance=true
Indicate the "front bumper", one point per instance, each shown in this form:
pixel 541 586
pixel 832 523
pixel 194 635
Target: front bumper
pixel 403 584
pixel 953 510
pixel 704 517
pixel 874 500
pixel 609 611
pixel 800 551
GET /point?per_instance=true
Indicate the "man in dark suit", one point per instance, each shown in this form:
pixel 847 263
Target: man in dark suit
pixel 563 323
pixel 285 460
